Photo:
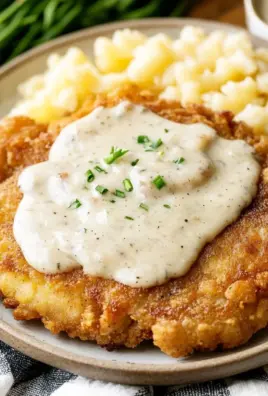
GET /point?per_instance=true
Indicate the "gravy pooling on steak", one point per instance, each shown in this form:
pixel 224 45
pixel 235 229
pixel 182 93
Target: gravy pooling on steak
pixel 131 196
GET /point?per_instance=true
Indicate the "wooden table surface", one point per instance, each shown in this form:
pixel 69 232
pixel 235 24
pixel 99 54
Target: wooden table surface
pixel 230 11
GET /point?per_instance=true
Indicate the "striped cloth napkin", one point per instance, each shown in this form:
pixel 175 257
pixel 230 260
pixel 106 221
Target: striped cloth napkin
pixel 23 376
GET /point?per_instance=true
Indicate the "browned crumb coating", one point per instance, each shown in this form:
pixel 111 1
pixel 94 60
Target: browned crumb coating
pixel 221 301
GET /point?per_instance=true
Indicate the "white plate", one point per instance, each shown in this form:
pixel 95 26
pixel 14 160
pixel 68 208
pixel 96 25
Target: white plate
pixel 145 364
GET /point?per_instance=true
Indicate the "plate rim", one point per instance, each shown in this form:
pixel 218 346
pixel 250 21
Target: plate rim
pixel 134 373
pixel 116 371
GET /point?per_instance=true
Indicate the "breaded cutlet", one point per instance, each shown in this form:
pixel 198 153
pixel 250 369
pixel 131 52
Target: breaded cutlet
pixel 221 302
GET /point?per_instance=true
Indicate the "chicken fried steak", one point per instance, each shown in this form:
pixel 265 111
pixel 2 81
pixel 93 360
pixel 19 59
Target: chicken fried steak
pixel 221 301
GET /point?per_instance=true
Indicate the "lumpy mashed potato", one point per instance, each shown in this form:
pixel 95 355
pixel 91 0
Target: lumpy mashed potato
pixel 220 70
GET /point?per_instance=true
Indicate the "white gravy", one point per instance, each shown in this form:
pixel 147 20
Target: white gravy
pixel 63 222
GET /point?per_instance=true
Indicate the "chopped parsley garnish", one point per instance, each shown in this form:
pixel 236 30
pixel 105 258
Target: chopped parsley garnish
pixel 115 153
pixel 153 145
pixel 148 144
pixel 166 130
pixel 90 176
pixel 75 204
pixel 119 193
pixel 102 190
pixel 133 163
pixel 179 160
pixel 159 182
pixel 156 144
pixel 112 200
pixel 128 185
pixel 167 206
pixel 144 206
pixel 85 230
pixel 129 218
pixel 99 169
pixel 142 139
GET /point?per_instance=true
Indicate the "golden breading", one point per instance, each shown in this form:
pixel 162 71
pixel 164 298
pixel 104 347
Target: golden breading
pixel 221 301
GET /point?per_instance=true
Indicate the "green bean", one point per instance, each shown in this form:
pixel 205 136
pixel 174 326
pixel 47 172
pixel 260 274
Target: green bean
pixel 35 13
pixel 14 24
pixel 26 23
pixel 62 10
pixel 143 12
pixel 9 11
pixel 4 4
pixel 26 41
pixel 57 29
pixel 123 5
pixel 49 13
pixel 39 7
pixel 101 6
pixel 29 20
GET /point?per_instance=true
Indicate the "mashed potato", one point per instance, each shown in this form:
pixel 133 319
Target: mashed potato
pixel 220 70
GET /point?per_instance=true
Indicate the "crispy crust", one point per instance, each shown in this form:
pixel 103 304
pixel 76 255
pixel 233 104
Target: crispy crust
pixel 221 301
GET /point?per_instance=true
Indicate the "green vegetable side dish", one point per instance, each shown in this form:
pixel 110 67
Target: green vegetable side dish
pixel 27 23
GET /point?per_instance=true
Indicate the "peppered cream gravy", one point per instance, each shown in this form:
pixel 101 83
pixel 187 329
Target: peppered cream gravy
pixel 131 196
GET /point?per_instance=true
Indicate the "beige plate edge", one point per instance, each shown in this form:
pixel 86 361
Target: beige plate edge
pixel 115 371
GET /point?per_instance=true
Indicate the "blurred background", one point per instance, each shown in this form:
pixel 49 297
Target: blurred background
pixel 27 23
